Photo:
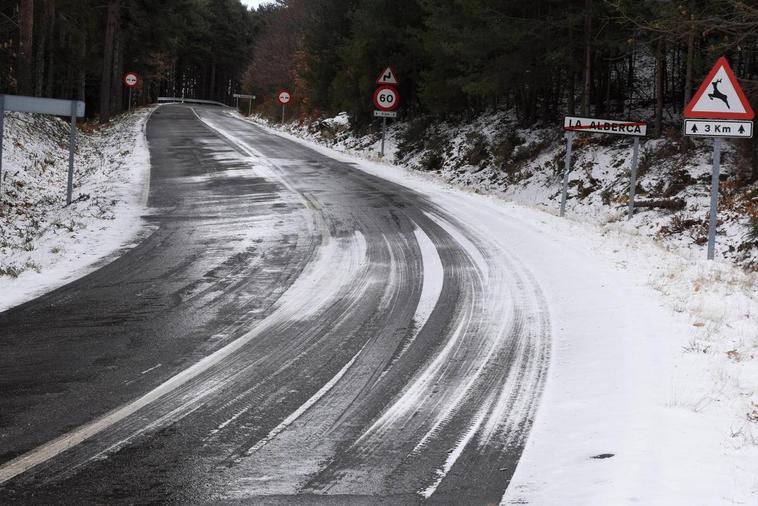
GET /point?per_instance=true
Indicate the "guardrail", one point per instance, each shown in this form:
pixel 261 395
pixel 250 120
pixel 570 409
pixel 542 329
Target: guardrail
pixel 50 106
pixel 182 100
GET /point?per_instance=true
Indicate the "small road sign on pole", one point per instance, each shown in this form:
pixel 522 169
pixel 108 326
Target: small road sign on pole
pixel 635 129
pixel 385 114
pixel 52 106
pixel 386 100
pixel 719 109
pixel 284 97
pixel 388 76
pixel 250 98
pixel 131 79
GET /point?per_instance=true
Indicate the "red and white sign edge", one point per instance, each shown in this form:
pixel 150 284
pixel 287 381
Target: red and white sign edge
pixel 388 76
pixel 383 106
pixel 720 96
pixel 280 97
pixel 126 79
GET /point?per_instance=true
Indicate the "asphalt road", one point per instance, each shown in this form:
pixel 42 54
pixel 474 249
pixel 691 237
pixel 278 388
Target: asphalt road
pixel 294 331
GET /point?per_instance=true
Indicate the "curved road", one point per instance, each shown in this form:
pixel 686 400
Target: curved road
pixel 295 331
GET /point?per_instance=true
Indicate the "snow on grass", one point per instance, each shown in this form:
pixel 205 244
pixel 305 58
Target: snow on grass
pixel 43 242
pixel 661 409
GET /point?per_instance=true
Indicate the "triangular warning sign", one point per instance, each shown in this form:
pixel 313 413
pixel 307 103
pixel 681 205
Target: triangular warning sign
pixel 720 96
pixel 387 77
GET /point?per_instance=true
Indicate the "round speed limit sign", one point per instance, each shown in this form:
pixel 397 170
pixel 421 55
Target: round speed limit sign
pixel 131 79
pixel 386 98
pixel 284 97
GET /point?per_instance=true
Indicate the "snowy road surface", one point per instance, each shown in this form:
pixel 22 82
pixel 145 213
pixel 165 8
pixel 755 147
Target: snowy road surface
pixel 294 327
pixel 305 328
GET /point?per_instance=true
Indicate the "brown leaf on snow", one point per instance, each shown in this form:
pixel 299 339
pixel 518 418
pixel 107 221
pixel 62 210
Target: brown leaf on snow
pixel 698 324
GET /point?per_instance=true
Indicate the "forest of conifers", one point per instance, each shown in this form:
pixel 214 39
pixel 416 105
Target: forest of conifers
pixel 541 58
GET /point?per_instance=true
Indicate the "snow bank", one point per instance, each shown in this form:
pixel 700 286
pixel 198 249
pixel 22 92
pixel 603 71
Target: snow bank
pixel 44 243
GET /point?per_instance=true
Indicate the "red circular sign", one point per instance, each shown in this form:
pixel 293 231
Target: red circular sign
pixel 386 98
pixel 131 79
pixel 284 97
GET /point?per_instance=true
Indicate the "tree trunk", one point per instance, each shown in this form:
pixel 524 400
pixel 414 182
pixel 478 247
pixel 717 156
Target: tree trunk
pixel 49 78
pixel 690 64
pixel 81 75
pixel 117 88
pixel 107 72
pixel 26 48
pixel 212 90
pixel 571 93
pixel 587 57
pixel 659 84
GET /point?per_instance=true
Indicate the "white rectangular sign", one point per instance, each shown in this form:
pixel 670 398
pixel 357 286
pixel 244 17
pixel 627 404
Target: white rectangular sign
pixel 718 128
pixel 237 95
pixel 385 114
pixel 605 126
pixel 43 105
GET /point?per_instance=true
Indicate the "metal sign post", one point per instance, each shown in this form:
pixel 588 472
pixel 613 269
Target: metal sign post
pixel 633 181
pixel 713 222
pixel 71 150
pixel 131 80
pixel 386 99
pixel 635 129
pixel 249 98
pixel 52 106
pixel 2 129
pixel 569 141
pixel 384 133
pixel 284 98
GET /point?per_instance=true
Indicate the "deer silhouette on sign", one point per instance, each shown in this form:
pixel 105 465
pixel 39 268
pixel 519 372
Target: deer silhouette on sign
pixel 717 94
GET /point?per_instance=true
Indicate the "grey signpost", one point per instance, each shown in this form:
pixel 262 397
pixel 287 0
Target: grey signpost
pixel 564 193
pixel 284 98
pixel 52 106
pixel 250 98
pixel 573 125
pixel 2 129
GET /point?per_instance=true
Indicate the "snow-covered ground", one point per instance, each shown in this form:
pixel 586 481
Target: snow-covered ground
pixel 662 409
pixel 44 243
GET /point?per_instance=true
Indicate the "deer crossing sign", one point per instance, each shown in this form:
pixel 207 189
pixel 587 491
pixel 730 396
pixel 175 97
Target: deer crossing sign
pixel 720 96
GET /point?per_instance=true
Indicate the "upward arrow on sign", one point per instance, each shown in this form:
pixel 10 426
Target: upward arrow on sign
pixel 720 96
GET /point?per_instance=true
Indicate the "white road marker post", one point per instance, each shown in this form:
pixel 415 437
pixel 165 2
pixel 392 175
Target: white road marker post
pixel 566 170
pixel 713 222
pixel 633 181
